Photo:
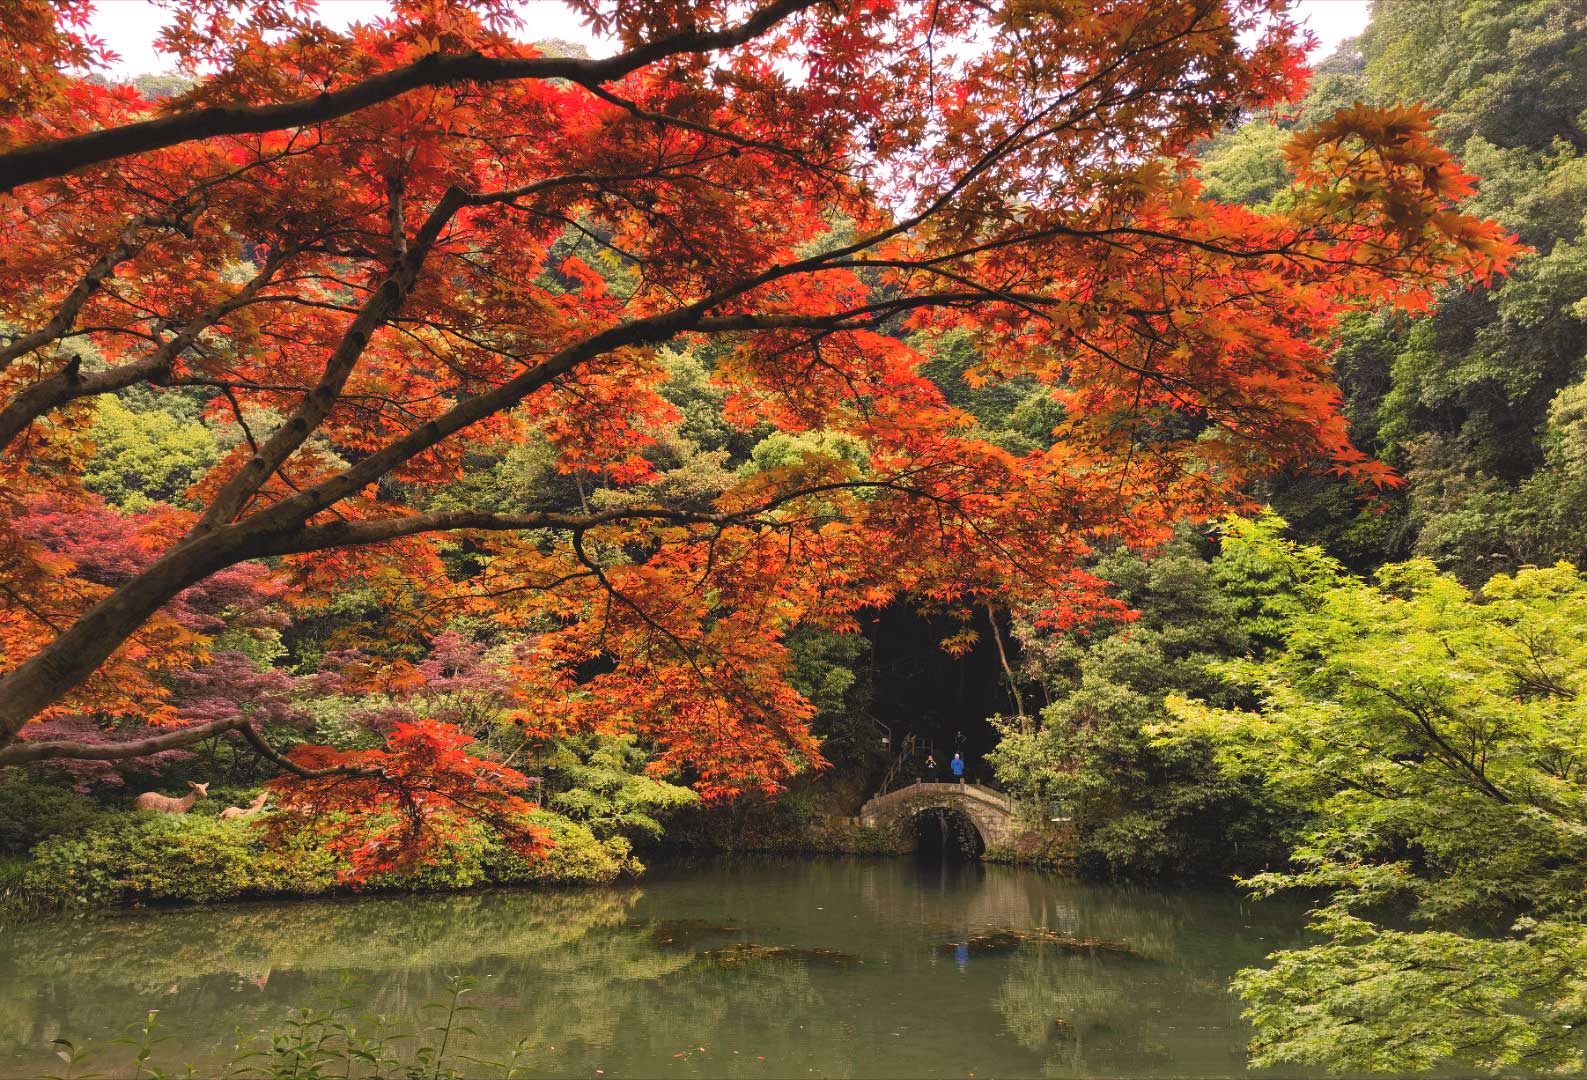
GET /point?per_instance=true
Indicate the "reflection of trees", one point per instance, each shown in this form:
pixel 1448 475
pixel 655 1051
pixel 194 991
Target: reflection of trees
pixel 543 976
pixel 153 947
pixel 1090 1014
pixel 211 971
pixel 612 979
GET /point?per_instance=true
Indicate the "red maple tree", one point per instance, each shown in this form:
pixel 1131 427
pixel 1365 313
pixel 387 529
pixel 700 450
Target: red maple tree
pixel 385 240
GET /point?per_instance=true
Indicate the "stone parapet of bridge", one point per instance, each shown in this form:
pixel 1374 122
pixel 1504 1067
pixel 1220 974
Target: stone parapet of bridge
pixel 991 812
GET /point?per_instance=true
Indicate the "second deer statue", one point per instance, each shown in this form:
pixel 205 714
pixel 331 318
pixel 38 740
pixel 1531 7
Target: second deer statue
pixel 245 812
pixel 166 804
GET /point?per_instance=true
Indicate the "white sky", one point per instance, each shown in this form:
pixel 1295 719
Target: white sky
pixel 1332 21
pixel 129 26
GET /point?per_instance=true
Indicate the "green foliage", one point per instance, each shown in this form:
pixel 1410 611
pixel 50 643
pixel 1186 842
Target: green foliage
pixel 1463 402
pixel 600 782
pixel 781 450
pixel 1034 418
pixel 577 857
pixel 688 389
pixel 1513 72
pixel 1377 1000
pixel 146 456
pixel 993 402
pixel 1439 736
pixel 31 810
pixel 833 671
pixel 144 858
pixel 1244 166
pixel 521 480
pixel 158 86
pixel 1131 807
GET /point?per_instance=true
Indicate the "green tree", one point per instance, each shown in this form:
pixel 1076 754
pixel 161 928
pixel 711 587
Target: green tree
pixel 833 671
pixel 1461 403
pixel 1439 735
pixel 1139 808
pixel 146 451
pixel 600 781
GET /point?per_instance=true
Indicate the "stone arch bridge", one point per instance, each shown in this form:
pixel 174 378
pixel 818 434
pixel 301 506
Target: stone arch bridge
pixel 991 812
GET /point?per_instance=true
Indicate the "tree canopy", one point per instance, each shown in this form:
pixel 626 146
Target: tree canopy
pixel 1435 737
pixel 378 253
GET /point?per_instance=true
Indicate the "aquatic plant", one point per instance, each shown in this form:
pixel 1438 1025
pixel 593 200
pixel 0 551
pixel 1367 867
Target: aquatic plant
pixel 327 1041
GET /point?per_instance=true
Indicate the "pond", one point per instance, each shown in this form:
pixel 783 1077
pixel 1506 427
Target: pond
pixel 706 968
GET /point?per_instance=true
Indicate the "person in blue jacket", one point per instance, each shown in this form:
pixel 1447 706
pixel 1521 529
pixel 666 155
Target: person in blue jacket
pixel 957 765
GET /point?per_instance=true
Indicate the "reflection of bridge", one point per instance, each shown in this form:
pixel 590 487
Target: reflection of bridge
pixel 991 812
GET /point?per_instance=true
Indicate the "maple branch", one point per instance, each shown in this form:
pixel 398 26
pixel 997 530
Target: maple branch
pixel 284 516
pixel 27 606
pixel 382 307
pixel 180 214
pixel 383 303
pixel 338 534
pixel 639 112
pixel 262 745
pixel 666 632
pixel 86 643
pixel 69 384
pixel 28 751
pixel 57 157
pixel 127 244
pixel 357 533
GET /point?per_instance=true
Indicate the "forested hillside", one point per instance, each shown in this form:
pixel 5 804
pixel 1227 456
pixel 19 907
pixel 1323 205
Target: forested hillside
pixel 1479 406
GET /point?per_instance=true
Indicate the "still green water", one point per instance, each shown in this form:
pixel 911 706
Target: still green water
pixel 617 979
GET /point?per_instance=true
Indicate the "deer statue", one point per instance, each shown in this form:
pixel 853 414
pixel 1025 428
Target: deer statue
pixel 165 804
pixel 245 812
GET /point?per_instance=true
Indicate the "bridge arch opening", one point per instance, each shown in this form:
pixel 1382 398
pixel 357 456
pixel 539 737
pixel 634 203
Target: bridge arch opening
pixel 947 834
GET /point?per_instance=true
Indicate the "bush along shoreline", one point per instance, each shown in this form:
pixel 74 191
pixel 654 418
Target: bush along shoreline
pixel 61 849
pixel 80 841
pixel 136 858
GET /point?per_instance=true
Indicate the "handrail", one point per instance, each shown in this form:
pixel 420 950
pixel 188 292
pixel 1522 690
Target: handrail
pixel 905 754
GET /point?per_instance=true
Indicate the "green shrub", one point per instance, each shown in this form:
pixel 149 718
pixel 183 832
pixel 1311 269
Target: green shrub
pixel 140 857
pixel 576 857
pixel 293 864
pixel 12 870
pixel 31 810
pixel 143 858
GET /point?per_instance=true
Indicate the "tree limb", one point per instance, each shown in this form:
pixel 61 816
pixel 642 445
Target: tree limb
pixel 57 157
pixel 69 383
pixel 25 752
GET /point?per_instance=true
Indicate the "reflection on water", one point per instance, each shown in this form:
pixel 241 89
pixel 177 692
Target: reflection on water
pixel 616 979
